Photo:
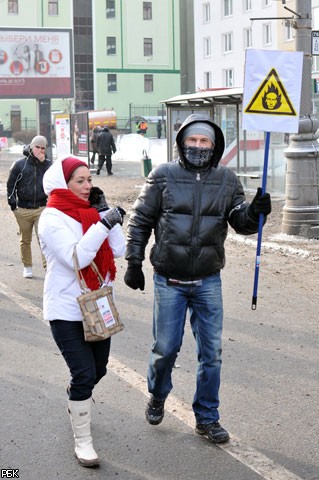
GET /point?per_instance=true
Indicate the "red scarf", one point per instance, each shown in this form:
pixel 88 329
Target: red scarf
pixel 81 210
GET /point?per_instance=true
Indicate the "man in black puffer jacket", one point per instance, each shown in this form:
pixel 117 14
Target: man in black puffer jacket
pixel 26 196
pixel 189 204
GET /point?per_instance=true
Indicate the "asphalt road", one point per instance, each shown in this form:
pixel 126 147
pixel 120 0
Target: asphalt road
pixel 269 392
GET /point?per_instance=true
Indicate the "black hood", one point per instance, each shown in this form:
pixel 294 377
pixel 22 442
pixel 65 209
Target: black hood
pixel 219 137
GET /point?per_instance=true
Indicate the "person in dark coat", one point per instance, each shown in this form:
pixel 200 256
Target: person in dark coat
pixel 26 196
pixel 159 129
pixel 188 205
pixel 106 147
pixel 93 142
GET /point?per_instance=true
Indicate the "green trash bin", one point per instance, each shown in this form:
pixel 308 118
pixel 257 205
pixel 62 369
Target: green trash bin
pixel 146 164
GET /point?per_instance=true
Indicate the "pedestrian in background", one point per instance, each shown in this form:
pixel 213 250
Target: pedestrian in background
pixel 106 147
pixel 26 196
pixel 159 129
pixel 189 204
pixel 77 218
pixel 93 142
pixel 142 127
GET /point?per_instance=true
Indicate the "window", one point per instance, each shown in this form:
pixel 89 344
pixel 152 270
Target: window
pixel 110 45
pixel 148 83
pixel 147 10
pixel 315 65
pixel 228 42
pixel 248 41
pixel 247 5
pixel 110 8
pixel 267 33
pixel 148 47
pixel 13 6
pixel 289 31
pixel 207 47
pixel 207 79
pixel 206 13
pixel 228 8
pixel 229 77
pixel 53 7
pixel 111 82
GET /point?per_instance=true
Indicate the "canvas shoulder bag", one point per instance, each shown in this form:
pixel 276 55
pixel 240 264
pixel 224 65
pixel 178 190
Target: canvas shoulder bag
pixel 100 315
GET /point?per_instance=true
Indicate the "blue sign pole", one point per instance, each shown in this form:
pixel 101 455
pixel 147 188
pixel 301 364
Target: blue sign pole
pixel 261 223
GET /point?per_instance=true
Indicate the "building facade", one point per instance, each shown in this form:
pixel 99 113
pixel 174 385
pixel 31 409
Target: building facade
pixel 224 30
pixel 136 54
pixel 126 53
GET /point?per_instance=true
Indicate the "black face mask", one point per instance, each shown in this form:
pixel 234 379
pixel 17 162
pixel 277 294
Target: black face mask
pixel 197 157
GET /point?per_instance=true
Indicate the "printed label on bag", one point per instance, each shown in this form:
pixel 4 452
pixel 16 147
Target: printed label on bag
pixel 105 311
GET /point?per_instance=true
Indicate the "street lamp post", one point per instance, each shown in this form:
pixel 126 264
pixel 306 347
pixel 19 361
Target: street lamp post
pixel 301 210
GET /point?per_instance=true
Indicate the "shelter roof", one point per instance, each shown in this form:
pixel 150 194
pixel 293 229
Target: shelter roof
pixel 213 96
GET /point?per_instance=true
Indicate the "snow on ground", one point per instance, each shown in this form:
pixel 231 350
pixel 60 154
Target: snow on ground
pixel 130 147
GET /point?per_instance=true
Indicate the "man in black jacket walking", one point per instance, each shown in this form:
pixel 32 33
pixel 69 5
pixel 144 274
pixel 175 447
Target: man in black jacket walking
pixel 106 146
pixel 26 196
pixel 189 204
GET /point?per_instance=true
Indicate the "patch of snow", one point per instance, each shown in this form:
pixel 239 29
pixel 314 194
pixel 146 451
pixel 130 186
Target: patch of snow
pixel 132 147
pixel 275 247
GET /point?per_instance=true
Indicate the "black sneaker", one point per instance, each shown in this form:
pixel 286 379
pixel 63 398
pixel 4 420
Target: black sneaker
pixel 98 171
pixel 213 431
pixel 155 411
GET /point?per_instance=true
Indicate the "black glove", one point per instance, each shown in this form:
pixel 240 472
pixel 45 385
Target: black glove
pixel 134 277
pixel 97 199
pixel 112 217
pixel 122 213
pixel 261 203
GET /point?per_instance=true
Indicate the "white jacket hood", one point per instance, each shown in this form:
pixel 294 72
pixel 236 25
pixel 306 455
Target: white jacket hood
pixel 54 177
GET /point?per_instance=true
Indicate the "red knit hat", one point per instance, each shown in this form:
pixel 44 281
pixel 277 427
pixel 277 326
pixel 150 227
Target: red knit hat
pixel 70 164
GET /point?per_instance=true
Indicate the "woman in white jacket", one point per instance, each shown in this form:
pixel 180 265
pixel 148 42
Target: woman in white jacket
pixel 71 222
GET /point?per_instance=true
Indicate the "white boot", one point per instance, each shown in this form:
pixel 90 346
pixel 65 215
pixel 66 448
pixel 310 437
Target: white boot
pixel 80 415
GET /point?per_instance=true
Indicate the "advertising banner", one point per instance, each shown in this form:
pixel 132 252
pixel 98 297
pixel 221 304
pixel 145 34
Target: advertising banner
pixel 36 63
pixel 63 135
pixel 80 134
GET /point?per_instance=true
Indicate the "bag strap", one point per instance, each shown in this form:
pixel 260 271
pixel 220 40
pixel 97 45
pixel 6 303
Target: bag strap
pixel 145 154
pixel 79 274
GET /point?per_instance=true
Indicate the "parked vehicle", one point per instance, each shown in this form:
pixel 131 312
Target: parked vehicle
pixel 102 118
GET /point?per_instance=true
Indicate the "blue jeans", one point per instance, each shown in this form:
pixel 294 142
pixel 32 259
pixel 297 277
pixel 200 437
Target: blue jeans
pixel 205 305
pixel 86 360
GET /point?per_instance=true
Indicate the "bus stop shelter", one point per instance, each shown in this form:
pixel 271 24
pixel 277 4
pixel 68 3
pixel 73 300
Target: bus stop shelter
pixel 244 150
pixel 216 103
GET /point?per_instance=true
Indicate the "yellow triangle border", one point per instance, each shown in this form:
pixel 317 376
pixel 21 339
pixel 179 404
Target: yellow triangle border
pixel 274 73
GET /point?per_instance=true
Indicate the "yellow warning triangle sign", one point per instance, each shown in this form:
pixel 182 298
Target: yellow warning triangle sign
pixel 271 98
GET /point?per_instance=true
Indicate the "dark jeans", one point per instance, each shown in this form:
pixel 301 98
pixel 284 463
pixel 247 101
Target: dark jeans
pixel 93 156
pixel 86 360
pixel 108 160
pixel 205 305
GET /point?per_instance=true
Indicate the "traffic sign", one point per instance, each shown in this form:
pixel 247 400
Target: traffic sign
pixel 272 90
pixel 271 97
pixel 315 42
